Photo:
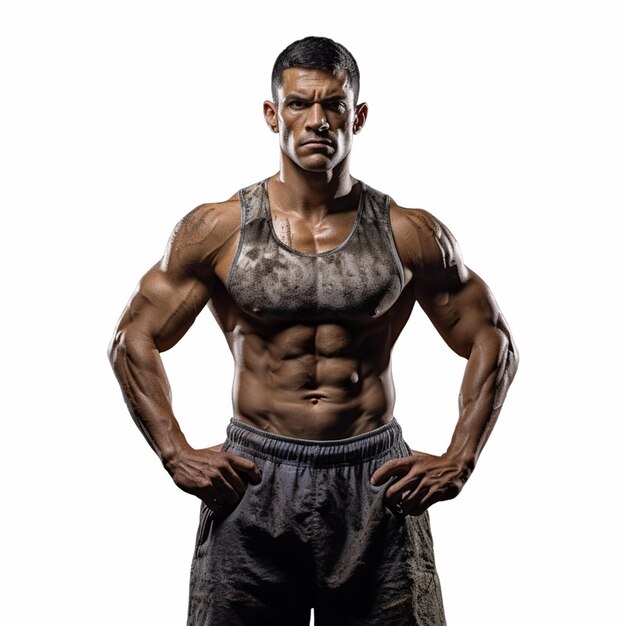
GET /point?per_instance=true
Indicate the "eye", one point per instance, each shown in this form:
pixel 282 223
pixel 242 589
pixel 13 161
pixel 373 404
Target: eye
pixel 337 106
pixel 297 105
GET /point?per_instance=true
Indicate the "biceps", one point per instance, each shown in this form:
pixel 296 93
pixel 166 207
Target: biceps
pixel 163 308
pixel 464 315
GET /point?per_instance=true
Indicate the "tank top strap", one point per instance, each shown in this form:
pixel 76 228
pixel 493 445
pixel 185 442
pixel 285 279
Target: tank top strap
pixel 375 206
pixel 377 218
pixel 253 202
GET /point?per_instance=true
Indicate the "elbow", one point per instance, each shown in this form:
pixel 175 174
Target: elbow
pixel 509 354
pixel 123 346
pixel 512 353
pixel 129 345
pixel 497 345
pixel 116 347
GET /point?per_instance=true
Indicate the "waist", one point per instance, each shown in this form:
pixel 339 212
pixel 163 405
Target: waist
pixel 320 453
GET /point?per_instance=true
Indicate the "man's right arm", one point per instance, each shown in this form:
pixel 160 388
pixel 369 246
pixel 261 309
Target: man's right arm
pixel 162 309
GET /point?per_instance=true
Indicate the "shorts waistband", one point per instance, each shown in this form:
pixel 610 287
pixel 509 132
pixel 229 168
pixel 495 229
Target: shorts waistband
pixel 325 453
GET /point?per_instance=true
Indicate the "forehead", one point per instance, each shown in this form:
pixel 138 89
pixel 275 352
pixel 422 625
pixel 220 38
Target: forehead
pixel 321 83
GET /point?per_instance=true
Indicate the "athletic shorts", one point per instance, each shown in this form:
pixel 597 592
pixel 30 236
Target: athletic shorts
pixel 314 533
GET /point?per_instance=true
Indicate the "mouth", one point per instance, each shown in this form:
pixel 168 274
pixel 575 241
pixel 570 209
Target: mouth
pixel 318 140
pixel 318 143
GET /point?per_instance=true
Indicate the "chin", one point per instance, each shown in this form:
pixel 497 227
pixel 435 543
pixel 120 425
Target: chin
pixel 316 164
pixel 317 169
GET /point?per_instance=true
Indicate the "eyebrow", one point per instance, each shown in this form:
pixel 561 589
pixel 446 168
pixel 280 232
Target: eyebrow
pixel 333 98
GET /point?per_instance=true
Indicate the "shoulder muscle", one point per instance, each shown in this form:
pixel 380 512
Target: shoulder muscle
pixel 428 248
pixel 200 238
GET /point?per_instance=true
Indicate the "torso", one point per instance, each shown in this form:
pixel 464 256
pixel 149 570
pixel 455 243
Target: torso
pixel 312 345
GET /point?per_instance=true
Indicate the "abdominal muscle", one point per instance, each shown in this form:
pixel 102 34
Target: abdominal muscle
pixel 325 381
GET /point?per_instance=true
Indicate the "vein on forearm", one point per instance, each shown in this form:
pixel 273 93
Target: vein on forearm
pixel 488 375
pixel 146 389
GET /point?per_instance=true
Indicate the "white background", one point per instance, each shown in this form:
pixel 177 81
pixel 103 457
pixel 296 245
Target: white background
pixel 504 119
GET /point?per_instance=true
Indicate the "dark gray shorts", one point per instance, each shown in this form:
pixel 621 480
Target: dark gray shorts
pixel 314 534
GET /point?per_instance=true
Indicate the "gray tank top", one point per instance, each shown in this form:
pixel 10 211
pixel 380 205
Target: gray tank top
pixel 360 278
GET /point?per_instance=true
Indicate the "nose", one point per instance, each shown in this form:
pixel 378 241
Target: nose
pixel 316 119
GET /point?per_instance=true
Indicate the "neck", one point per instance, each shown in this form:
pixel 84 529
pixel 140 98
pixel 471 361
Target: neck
pixel 302 190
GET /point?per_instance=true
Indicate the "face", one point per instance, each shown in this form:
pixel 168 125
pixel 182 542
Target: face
pixel 315 117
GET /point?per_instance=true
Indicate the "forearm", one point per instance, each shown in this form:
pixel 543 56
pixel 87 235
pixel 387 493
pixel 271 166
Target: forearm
pixel 143 381
pixel 489 372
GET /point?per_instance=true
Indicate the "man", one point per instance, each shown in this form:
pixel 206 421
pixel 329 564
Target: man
pixel 314 500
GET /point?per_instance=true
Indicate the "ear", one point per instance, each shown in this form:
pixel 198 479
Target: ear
pixel 360 117
pixel 270 112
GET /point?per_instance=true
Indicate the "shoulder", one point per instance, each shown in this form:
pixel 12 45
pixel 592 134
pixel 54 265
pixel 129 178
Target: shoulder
pixel 426 245
pixel 209 221
pixel 203 234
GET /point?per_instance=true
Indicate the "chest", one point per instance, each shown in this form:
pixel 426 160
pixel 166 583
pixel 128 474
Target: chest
pixel 347 270
pixel 311 237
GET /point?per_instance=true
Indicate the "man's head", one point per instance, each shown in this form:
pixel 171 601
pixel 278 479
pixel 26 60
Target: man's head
pixel 319 53
pixel 315 83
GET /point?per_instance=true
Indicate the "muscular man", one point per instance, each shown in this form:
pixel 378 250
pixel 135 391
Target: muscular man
pixel 314 500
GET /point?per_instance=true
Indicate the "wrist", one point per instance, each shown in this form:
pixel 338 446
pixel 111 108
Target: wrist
pixel 465 460
pixel 171 454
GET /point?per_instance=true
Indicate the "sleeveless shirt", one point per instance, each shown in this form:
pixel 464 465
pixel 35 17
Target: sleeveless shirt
pixel 360 278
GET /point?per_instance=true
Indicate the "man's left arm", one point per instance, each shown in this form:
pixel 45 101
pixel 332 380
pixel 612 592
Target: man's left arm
pixel 464 312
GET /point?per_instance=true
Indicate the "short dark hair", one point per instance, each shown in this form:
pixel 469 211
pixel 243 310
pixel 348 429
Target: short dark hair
pixel 316 53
